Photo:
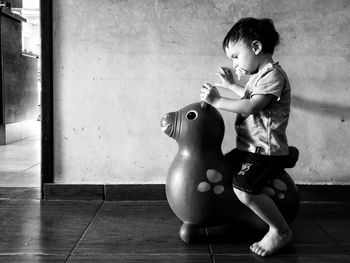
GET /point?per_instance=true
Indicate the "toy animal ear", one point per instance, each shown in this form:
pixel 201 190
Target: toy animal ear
pixel 256 47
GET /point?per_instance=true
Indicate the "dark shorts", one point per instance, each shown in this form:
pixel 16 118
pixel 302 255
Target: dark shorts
pixel 251 171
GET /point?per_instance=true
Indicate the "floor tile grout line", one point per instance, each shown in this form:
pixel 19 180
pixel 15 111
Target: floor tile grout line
pixel 23 171
pixel 209 246
pixel 31 167
pixel 15 195
pixel 4 203
pixel 324 231
pixel 85 231
pixel 18 173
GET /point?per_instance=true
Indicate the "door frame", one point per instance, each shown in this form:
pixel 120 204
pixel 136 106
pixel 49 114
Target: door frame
pixel 47 142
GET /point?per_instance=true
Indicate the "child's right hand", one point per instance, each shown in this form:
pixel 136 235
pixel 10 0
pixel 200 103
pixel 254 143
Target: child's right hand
pixel 226 77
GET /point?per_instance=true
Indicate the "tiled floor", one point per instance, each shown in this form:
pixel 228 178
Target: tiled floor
pixel 105 231
pixel 20 163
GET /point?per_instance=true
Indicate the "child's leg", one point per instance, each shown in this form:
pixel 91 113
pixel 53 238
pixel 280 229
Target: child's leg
pixel 279 232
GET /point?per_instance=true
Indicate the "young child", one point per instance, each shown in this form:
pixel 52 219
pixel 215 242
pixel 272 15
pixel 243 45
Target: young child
pixel 262 117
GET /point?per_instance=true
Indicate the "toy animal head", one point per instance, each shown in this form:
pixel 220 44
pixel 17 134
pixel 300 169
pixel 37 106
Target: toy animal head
pixel 197 125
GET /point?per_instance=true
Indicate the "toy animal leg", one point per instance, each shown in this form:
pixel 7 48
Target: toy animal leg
pixel 189 232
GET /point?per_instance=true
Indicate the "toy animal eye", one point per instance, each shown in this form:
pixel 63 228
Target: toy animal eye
pixel 192 115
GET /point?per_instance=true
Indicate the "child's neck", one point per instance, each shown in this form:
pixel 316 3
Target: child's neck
pixel 264 60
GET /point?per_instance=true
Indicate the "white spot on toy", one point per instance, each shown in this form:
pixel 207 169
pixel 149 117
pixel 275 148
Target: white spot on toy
pixel 214 176
pixel 279 184
pixel 281 196
pixel 268 191
pixel 203 187
pixel 218 189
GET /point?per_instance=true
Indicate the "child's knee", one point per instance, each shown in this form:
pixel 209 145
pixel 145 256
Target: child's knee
pixel 244 197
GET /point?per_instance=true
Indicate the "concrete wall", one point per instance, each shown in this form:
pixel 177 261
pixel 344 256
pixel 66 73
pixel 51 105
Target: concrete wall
pixel 119 65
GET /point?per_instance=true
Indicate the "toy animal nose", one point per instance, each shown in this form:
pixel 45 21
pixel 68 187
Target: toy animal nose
pixel 168 123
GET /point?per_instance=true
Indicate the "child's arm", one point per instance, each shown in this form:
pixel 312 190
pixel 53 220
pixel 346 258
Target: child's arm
pixel 253 105
pixel 228 82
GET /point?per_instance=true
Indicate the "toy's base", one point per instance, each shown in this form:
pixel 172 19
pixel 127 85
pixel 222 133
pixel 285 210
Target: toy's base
pixel 189 233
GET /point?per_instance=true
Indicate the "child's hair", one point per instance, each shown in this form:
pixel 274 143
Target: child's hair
pixel 249 29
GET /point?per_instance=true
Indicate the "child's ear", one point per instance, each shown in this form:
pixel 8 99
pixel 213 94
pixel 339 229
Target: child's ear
pixel 256 47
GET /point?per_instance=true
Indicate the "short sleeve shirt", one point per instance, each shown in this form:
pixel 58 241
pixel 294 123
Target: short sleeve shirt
pixel 265 132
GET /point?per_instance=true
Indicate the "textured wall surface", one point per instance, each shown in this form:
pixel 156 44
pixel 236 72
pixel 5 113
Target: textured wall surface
pixel 119 65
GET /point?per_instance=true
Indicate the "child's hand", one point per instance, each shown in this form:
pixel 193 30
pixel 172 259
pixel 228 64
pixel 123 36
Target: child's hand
pixel 209 94
pixel 226 77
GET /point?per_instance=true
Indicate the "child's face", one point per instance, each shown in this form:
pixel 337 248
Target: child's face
pixel 242 56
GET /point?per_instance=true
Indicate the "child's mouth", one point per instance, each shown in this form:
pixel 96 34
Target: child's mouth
pixel 240 72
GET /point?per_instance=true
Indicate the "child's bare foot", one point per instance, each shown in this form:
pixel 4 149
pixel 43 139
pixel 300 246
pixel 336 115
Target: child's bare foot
pixel 271 242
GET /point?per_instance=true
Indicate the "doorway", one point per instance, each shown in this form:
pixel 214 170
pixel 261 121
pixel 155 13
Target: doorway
pixel 20 147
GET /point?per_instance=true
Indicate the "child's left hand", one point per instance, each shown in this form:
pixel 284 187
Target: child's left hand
pixel 209 94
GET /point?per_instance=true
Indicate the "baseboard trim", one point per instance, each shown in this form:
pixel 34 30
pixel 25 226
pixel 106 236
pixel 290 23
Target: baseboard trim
pixel 73 192
pixel 324 193
pixel 117 192
pixel 149 192
pixel 135 192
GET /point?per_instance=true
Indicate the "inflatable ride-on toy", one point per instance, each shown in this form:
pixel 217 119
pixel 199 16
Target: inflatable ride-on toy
pixel 199 181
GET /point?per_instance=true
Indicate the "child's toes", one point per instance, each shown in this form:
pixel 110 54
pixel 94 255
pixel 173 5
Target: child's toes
pixel 257 249
pixel 253 247
pixel 263 253
pixel 260 251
